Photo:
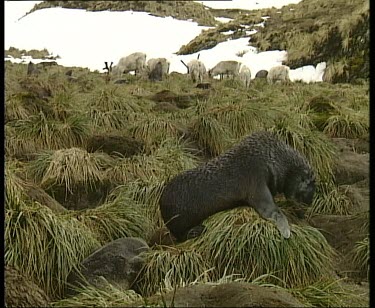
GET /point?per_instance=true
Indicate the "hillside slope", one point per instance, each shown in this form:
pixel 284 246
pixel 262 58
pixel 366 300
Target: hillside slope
pixel 183 10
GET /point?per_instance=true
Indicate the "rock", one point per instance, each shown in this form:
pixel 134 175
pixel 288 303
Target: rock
pixel 20 291
pixel 359 194
pixel 204 85
pixel 165 107
pixel 261 74
pixel 118 262
pixel 232 294
pixel 341 232
pixel 121 81
pixel 351 167
pixel 112 143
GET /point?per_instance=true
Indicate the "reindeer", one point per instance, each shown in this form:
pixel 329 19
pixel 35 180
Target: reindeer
pixel 108 71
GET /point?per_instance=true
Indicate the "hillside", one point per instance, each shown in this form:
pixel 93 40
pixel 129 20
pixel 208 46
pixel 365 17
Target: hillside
pixel 307 32
pixel 87 160
pixel 183 10
pixel 311 31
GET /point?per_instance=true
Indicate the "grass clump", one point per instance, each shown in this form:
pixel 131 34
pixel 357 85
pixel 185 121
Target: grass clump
pixel 15 186
pixel 69 168
pixel 361 256
pixel 330 200
pixel 169 266
pixel 347 125
pixel 240 118
pixel 257 247
pixel 110 296
pixel 110 109
pixel 318 150
pixel 52 134
pixel 114 219
pixel 210 135
pixel 168 160
pixel 153 130
pixel 146 194
pixel 323 293
pixel 45 246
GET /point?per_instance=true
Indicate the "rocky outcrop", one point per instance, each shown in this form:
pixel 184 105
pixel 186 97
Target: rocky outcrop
pixel 118 262
pixel 21 291
pixel 232 294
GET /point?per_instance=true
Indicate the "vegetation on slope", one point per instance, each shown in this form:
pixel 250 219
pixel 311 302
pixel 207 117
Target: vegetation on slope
pixel 112 192
pixel 183 10
pixel 310 31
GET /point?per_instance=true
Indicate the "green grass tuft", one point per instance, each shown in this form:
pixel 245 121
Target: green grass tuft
pixel 330 200
pixel 115 219
pixel 110 296
pixel 257 247
pixel 170 266
pixel 69 168
pixel 45 246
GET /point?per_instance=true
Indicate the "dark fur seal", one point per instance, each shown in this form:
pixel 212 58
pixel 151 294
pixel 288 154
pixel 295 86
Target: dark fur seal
pixel 251 173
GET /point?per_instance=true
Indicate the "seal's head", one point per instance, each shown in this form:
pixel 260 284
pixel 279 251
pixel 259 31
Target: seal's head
pixel 301 187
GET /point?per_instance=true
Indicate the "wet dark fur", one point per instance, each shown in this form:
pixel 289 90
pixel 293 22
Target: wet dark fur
pixel 251 173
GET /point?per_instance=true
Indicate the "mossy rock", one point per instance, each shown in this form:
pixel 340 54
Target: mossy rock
pixel 114 143
pixel 20 291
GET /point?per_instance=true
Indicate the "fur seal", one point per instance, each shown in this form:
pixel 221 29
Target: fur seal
pixel 250 173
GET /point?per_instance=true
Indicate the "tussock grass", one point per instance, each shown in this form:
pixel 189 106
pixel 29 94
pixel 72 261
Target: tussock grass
pixel 15 186
pixel 170 266
pixel 121 217
pixel 361 256
pixel 110 296
pixel 108 120
pixel 364 218
pixel 152 130
pixel 169 159
pixel 328 292
pixel 15 145
pixel 69 168
pixel 324 293
pixel 256 247
pixel 175 156
pixel 210 135
pixel 145 193
pixel 53 134
pixel 62 105
pixel 240 118
pixel 347 124
pixel 110 109
pixel 330 200
pixel 127 169
pixel 15 108
pixel 45 246
pixel 314 145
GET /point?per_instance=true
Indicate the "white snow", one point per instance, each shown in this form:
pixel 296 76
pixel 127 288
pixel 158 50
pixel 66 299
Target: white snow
pixel 223 19
pixel 87 39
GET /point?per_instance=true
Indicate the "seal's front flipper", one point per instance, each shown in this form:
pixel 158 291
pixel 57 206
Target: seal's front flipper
pixel 263 203
pixel 195 232
pixel 281 223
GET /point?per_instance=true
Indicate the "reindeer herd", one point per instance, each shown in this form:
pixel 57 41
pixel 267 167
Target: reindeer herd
pixel 157 69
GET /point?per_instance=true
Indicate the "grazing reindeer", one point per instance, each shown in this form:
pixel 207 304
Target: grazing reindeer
pixel 278 74
pixel 196 69
pixel 108 71
pixel 151 64
pixel 134 62
pixel 157 72
pixel 31 69
pixel 225 68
